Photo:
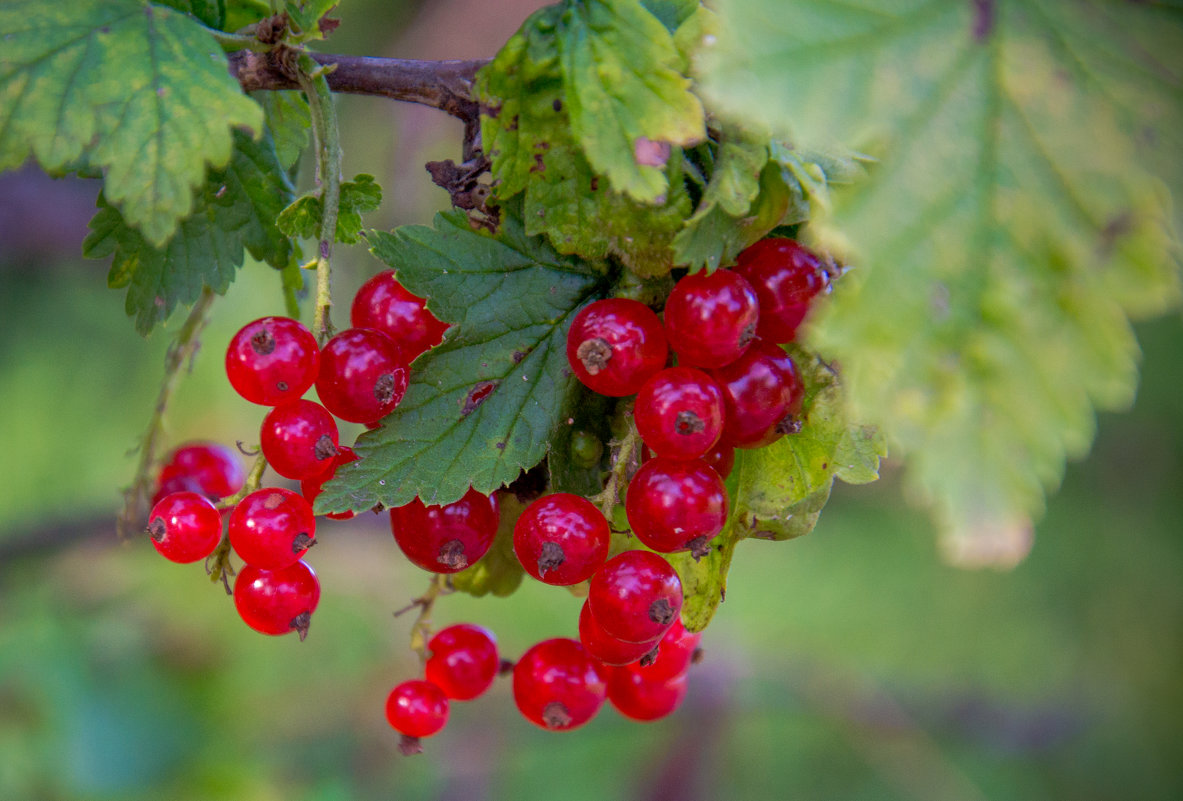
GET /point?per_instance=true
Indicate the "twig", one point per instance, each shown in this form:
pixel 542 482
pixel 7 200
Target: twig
pixel 421 628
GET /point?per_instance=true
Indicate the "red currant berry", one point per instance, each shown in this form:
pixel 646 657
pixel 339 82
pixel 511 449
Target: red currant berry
pixel 786 276
pixel 277 601
pixel 185 527
pixel 272 360
pixel 383 304
pixel 614 345
pixel 674 654
pixel 635 596
pixel 463 661
pixel 311 487
pixel 216 469
pixel 299 439
pixel 679 413
pixel 362 375
pixel 173 479
pixel 557 685
pixel 762 394
pixel 711 319
pixel 674 505
pixel 640 698
pixel 417 708
pixel 561 539
pixel 272 528
pixel 721 458
pixel 606 648
pixel 446 539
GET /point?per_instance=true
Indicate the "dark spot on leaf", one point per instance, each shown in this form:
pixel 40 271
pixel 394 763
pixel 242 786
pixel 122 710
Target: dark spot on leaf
pixel 476 396
pixel 557 105
pixel 983 19
pixel 539 165
pixel 501 446
pixel 1114 230
pixel 513 124
pixel 491 111
pixel 518 355
pixel 595 182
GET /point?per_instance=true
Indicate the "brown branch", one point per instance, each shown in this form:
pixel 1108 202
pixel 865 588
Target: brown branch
pixel 446 85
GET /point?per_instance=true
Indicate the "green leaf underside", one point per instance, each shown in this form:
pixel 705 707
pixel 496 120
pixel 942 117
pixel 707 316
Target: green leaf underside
pixel 498 572
pixel 289 120
pixel 483 405
pixel 234 211
pixel 303 218
pixel 777 492
pixel 141 91
pixel 1014 224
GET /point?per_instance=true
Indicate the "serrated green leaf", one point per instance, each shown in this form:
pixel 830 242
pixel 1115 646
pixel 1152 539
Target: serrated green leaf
pixel 498 572
pixel 483 405
pixel 704 581
pixel 234 211
pixel 587 413
pixel 209 12
pixel 671 13
pixel 139 90
pixel 289 121
pixel 302 219
pixel 305 14
pixel 1015 221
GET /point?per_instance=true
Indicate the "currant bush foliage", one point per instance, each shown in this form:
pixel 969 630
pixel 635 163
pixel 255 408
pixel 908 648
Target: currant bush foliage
pixel 1015 222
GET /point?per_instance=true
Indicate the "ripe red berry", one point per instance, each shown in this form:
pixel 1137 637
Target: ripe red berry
pixel 463 661
pixel 561 539
pixel 299 439
pixel 362 375
pixel 184 527
pixel 679 413
pixel 383 304
pixel 711 319
pixel 311 487
pixel 277 601
pixel 721 458
pixel 606 648
pixel 557 685
pixel 417 708
pixel 614 345
pixel 640 698
pixel 272 528
pixel 674 654
pixel 786 277
pixel 214 469
pixel 674 505
pixel 446 539
pixel 762 394
pixel 635 596
pixel 272 360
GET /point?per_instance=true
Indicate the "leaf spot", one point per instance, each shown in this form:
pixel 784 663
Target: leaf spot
pixel 476 396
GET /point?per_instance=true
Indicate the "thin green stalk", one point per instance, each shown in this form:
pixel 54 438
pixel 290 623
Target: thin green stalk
pixel 180 353
pixel 625 456
pixel 421 628
pixel 327 140
pixel 217 564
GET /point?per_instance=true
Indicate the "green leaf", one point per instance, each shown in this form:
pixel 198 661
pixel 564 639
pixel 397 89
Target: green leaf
pixel 704 581
pixel 483 405
pixel 586 414
pixel 289 121
pixel 498 572
pixel 302 219
pixel 234 211
pixel 305 14
pixel 1014 223
pixel 210 12
pixel 141 91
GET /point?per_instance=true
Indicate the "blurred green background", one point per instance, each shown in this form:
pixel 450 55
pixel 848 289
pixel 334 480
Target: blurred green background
pixel 850 664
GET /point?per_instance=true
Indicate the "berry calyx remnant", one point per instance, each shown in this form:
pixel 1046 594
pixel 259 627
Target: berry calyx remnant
pixel 272 360
pixel 615 345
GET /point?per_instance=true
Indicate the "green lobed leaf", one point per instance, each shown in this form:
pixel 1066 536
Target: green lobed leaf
pixel 302 219
pixel 209 12
pixel 704 581
pixel 289 120
pixel 141 91
pixel 585 413
pixel 235 210
pixel 498 572
pixel 483 405
pixel 1013 224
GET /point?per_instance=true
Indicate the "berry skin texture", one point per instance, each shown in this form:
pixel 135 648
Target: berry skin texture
pixel 272 360
pixel 299 439
pixel 272 528
pixel 463 661
pixel 417 708
pixel 561 539
pixel 679 413
pixel 635 596
pixel 214 469
pixel 711 319
pixel 446 539
pixel 185 527
pixel 786 276
pixel 277 601
pixel 615 345
pixel 762 393
pixel 675 652
pixel 641 698
pixel 311 487
pixel 674 505
pixel 606 648
pixel 383 304
pixel 362 375
pixel 557 685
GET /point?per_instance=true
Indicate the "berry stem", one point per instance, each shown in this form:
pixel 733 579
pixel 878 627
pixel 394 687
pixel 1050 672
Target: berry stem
pixel 217 565
pixel 180 353
pixel 625 459
pixel 421 628
pixel 327 138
